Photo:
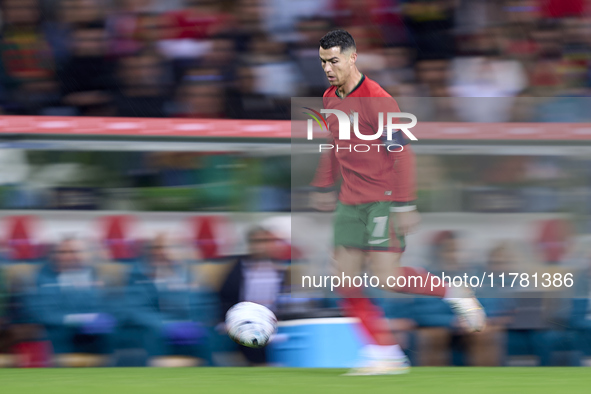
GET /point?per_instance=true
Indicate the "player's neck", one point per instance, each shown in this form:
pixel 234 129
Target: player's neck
pixel 351 83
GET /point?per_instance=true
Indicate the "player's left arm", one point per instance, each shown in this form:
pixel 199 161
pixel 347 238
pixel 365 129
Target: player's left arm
pixel 404 190
pixel 403 173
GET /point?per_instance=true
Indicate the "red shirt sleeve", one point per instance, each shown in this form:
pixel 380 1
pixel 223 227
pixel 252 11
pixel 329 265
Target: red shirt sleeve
pixel 328 170
pixel 403 175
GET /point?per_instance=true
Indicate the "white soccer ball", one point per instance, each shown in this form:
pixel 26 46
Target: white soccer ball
pixel 251 324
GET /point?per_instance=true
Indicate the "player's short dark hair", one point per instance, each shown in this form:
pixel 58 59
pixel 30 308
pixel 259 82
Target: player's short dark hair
pixel 338 38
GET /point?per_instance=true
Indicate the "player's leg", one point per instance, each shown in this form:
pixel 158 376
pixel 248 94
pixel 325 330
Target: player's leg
pixel 386 246
pixel 348 261
pixel 417 281
pixel 349 258
pixel 408 280
pixel 382 355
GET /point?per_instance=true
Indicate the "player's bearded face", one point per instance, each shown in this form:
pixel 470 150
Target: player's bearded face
pixel 337 65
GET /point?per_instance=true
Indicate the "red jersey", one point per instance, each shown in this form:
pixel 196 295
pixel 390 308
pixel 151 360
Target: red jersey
pixel 376 175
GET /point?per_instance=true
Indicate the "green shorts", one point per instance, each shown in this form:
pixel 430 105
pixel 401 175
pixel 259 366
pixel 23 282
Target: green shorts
pixel 368 227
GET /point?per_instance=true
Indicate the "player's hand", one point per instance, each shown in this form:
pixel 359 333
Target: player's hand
pixel 407 222
pixel 324 202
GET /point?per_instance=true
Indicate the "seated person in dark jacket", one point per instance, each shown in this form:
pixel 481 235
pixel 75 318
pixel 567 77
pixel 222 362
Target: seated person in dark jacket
pixel 257 277
pixel 143 86
pixel 87 78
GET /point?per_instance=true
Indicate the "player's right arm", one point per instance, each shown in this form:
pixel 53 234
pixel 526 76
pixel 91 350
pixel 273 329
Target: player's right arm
pixel 324 197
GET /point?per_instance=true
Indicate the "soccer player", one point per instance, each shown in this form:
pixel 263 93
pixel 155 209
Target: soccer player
pixel 375 208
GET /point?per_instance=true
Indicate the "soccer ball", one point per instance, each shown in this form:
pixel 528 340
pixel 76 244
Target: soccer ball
pixel 251 324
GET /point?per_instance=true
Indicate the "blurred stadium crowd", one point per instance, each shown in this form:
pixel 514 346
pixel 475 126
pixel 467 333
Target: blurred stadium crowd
pixel 144 181
pixel 160 301
pixel 244 59
pixel 84 303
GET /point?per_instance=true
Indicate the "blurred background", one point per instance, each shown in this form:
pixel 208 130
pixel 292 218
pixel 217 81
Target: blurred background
pixel 124 256
pixel 146 58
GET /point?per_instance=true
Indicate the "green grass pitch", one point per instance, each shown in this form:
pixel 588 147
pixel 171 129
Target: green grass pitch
pixel 291 380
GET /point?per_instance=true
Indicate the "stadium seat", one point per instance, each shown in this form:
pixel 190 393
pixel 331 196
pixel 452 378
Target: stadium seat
pixel 432 346
pixel 175 362
pixel 20 240
pixel 20 274
pixel 7 361
pixel 113 274
pixel 115 229
pixel 80 360
pixel 211 235
pixel 211 274
pixel 31 352
pixel 552 240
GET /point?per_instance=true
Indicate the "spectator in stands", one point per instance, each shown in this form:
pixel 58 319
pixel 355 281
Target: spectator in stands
pixel 431 72
pixel 490 348
pixel 88 77
pixel 281 17
pixel 487 75
pixel 541 324
pixel 549 39
pixel 257 277
pixel 275 75
pixel 3 315
pixel 561 71
pixel 357 14
pixel 167 312
pixel 201 95
pixel 545 77
pixel 27 68
pixel 222 57
pixel 429 24
pixel 576 54
pixel 63 18
pixel 245 103
pixel 199 20
pixel 126 24
pixel 580 319
pixel 306 55
pixel 249 22
pixel 68 301
pixel 143 83
pixel 397 67
pixel 441 340
pixel 437 328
